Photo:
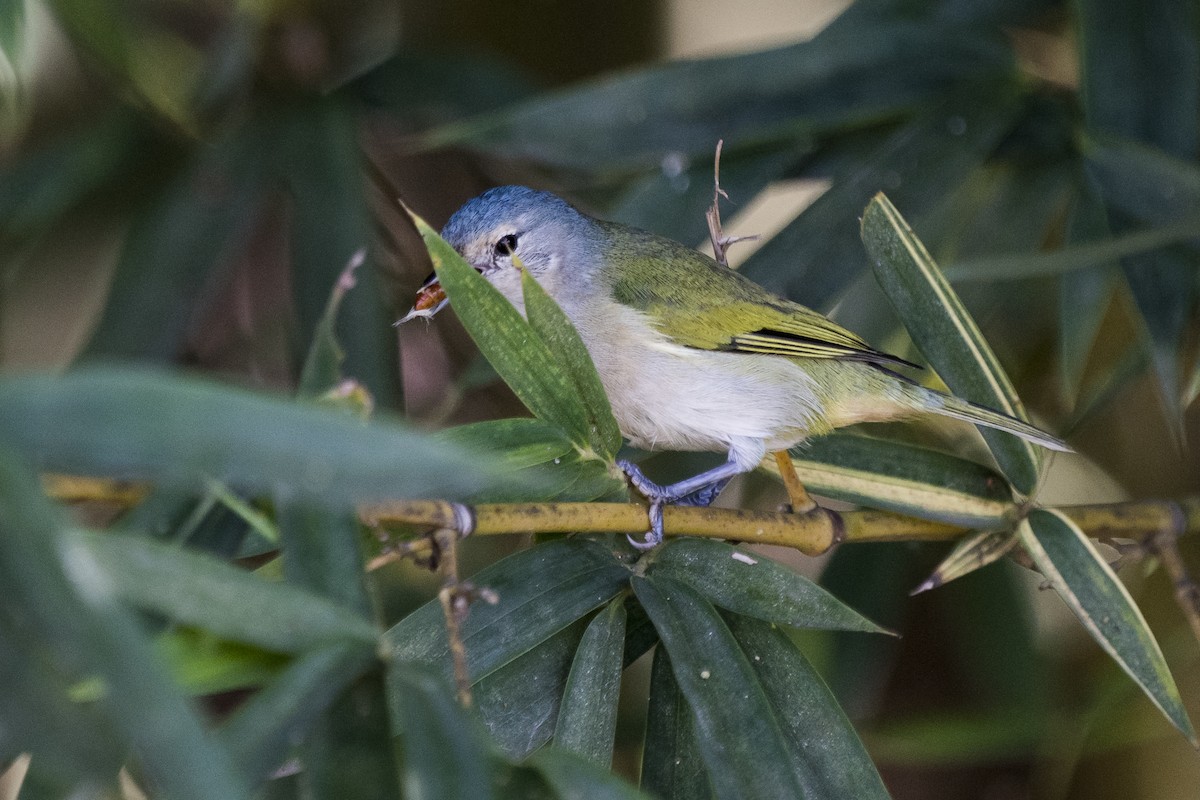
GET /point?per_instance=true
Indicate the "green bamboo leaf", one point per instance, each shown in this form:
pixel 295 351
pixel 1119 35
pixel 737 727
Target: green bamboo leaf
pixel 504 337
pixel 1140 75
pixel 350 752
pixel 530 447
pixel 152 428
pixel 588 479
pixel 744 749
pixel 971 553
pixel 256 520
pixel 832 760
pixel 1140 182
pixel 554 466
pixel 903 478
pixel 571 478
pixel 57 593
pixel 587 718
pixel 202 663
pixel 672 767
pixel 445 756
pixel 541 591
pixel 422 85
pixel 575 778
pixel 946 334
pixel 560 336
pixel 322 553
pixel 263 731
pixel 519 702
pixel 520 442
pixel 1089 250
pixel 43 716
pixel 196 589
pixel 1143 182
pixel 1084 297
pixel 841 78
pixel 1088 585
pixel 755 586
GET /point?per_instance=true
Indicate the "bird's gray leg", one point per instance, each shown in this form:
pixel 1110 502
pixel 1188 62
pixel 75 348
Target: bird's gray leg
pixel 704 497
pixel 698 490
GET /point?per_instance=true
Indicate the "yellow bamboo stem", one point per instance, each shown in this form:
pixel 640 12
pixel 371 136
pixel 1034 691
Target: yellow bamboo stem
pixel 811 533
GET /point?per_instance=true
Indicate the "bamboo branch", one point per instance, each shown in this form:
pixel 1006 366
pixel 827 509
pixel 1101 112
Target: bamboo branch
pixel 1155 525
pixel 1165 544
pixel 83 489
pixel 455 606
pixel 812 533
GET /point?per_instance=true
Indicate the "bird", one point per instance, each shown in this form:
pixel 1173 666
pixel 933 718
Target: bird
pixel 693 355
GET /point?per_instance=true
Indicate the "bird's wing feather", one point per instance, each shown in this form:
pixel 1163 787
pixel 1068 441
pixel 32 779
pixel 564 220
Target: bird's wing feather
pixel 699 303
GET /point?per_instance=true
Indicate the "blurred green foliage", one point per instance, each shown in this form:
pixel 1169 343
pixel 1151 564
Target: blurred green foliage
pixel 182 185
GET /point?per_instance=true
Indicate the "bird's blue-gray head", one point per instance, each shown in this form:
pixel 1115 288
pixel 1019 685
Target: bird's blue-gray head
pixel 545 232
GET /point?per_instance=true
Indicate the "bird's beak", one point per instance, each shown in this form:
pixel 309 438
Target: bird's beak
pixel 431 298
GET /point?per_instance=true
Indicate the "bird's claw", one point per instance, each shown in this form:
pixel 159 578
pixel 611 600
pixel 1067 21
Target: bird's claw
pixel 683 493
pixel 654 536
pixel 634 473
pixel 657 497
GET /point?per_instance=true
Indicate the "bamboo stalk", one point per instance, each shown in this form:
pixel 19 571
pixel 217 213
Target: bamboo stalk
pixel 812 533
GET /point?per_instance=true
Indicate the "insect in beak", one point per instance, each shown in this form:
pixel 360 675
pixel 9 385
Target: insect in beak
pixel 431 299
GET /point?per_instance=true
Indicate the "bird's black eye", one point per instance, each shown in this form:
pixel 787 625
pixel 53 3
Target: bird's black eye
pixel 507 245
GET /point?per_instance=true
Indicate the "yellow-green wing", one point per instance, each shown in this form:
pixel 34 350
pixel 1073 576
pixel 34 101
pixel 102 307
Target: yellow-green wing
pixel 701 304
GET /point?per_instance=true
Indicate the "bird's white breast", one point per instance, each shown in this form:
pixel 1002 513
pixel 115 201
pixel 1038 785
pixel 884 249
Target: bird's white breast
pixel 667 396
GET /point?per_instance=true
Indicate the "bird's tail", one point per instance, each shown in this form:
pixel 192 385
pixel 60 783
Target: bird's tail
pixel 957 408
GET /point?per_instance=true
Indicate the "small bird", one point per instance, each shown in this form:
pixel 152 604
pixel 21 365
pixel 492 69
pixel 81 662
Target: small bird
pixel 693 355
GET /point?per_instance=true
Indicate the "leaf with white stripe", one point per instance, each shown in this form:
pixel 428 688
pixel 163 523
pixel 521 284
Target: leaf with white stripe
pixel 945 333
pixel 1084 580
pixel 904 478
pixel 971 553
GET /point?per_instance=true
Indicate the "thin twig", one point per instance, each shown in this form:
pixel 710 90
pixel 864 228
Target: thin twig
pixel 455 605
pixel 720 242
pixel 439 550
pixel 1165 543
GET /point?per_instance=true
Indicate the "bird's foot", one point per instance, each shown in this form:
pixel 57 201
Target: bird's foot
pixel 660 496
pixel 657 497
pixel 704 497
pixel 644 485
